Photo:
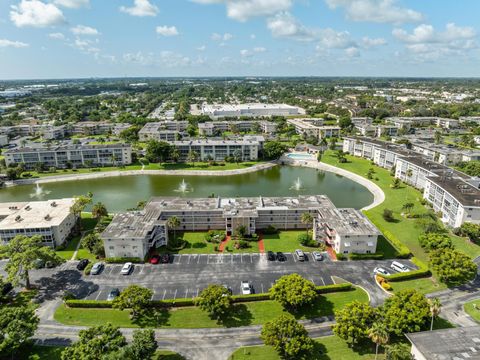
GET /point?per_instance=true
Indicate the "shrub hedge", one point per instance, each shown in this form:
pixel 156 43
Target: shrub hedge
pixel 119 260
pixel 415 274
pixel 403 252
pixel 376 256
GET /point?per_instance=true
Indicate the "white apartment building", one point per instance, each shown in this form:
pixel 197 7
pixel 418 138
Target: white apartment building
pixel 217 111
pixel 52 220
pixel 415 170
pixel 3 140
pixel 212 128
pixel 53 132
pixel 314 127
pixel 439 153
pixel 447 123
pixel 132 234
pixel 75 155
pixel 162 130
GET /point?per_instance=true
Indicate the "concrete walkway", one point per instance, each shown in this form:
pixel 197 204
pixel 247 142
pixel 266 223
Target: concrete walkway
pixel 378 194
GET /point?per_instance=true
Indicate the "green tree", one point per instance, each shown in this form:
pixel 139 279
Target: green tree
pixel 388 215
pixel 93 243
pixel 354 321
pixel 175 154
pixel 395 183
pixel 17 326
pixel 340 155
pixel 319 156
pixel 237 155
pixel 158 151
pixel 472 231
pixel 214 299
pixel 333 145
pixel 452 266
pixel 79 205
pixel 130 135
pixel 272 150
pixel 289 338
pixel 435 241
pixel 99 210
pixel 408 207
pixel 135 298
pixel 398 351
pixel 94 343
pixel 345 122
pixel 307 220
pixel 435 308
pixel 405 312
pixel 22 253
pixel 293 291
pixel 438 137
pixel 192 156
pixel 379 335
pixel 172 223
pixel 143 345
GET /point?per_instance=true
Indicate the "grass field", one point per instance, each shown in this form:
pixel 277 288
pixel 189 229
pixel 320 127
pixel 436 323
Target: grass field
pixel 285 241
pixel 326 348
pixel 88 224
pixel 404 229
pixel 472 308
pixel 425 285
pixel 252 313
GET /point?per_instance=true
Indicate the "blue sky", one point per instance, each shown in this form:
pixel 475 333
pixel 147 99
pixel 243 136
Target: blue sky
pixel 105 38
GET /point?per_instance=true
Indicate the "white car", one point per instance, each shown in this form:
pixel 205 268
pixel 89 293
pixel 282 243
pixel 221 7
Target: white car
pixel 246 288
pixel 97 268
pixel 127 268
pixel 381 271
pixel 317 256
pixel 399 267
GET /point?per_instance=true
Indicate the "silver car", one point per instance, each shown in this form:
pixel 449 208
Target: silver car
pixel 317 256
pixel 96 268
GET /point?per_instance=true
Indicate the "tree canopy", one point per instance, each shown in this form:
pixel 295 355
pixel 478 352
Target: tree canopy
pixel 17 325
pixel 214 299
pixel 293 291
pixel 354 322
pixel 452 267
pixel 272 150
pixel 135 298
pixel 435 241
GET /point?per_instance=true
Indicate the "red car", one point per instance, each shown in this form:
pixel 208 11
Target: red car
pixel 155 259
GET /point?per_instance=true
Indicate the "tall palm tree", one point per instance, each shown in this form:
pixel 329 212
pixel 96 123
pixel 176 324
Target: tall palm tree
pixel 306 219
pixel 435 308
pixel 173 223
pixel 379 335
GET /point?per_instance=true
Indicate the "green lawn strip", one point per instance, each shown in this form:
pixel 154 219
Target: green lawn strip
pixel 88 224
pixel 326 348
pixel 424 285
pixel 67 253
pixel 284 241
pixel 41 352
pixel 404 229
pixel 243 314
pixel 472 308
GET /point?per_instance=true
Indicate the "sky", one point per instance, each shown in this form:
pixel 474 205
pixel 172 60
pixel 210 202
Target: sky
pixel 129 38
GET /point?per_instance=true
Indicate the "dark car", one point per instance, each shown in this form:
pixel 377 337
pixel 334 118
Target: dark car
pixel 155 259
pixel 114 293
pixel 165 258
pixel 7 287
pixel 271 256
pixel 82 264
pixel 281 256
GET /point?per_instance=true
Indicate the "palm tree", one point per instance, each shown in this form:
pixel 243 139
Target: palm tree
pixel 99 210
pixel 175 154
pixel 192 156
pixel 173 223
pixel 379 335
pixel 438 137
pixel 435 308
pixel 307 219
pixel 408 207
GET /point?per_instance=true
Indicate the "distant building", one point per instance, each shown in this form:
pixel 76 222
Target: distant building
pixel 162 130
pixel 314 128
pixel 133 234
pixel 3 140
pixel 217 111
pixel 212 128
pixel 51 220
pixel 75 155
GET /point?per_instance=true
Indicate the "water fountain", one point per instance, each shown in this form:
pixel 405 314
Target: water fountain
pixel 39 192
pixel 297 185
pixel 183 187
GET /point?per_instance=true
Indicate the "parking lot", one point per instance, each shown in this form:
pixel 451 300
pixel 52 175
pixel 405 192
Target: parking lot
pixel 186 275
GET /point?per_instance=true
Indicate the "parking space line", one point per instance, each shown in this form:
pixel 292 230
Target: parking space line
pixel 313 281
pixel 197 293
pixel 262 288
pixel 98 295
pixel 323 281
pixel 175 296
pixel 293 257
pixel 164 293
pixel 231 257
pixel 208 259
pixel 186 293
pixel 189 257
pixel 251 258
pixel 153 295
pixel 198 261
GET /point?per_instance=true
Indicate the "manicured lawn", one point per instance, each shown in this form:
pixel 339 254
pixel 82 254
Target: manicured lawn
pixel 67 253
pixel 88 224
pixel 252 313
pixel 472 308
pixel 404 229
pixel 331 347
pixel 285 241
pixel 425 285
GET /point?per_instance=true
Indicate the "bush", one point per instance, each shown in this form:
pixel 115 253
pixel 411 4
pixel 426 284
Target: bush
pixel 88 268
pixel 248 298
pixel 306 240
pixel 326 289
pixel 388 215
pixel 341 257
pixel 270 229
pixel 88 304
pixel 242 244
pixel 386 286
pixel 215 236
pixel 119 260
pixel 376 256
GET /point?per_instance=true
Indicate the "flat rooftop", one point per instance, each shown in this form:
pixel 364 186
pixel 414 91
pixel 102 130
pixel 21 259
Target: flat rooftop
pixel 66 148
pixel 465 193
pixel 448 344
pixel 249 106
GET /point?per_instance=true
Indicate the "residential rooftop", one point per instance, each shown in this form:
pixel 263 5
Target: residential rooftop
pixel 66 148
pixel 465 193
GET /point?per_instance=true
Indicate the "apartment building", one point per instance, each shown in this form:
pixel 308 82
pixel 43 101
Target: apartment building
pixel 162 130
pixel 212 128
pixel 92 128
pixel 217 111
pixel 133 234
pixel 442 154
pixel 313 127
pixel 3 140
pixel 53 132
pixel 414 170
pixel 52 220
pixel 380 152
pixel 70 155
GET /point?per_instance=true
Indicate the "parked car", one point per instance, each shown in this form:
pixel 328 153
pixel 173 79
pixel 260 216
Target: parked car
pixel 281 256
pixel 381 271
pixel 271 256
pixel 127 268
pixel 7 287
pixel 113 294
pixel 155 259
pixel 246 288
pixel 165 259
pixel 317 256
pixel 399 267
pixel 300 255
pixel 97 268
pixel 82 264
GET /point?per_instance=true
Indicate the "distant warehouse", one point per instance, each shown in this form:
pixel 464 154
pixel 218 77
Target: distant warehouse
pixel 71 155
pixel 217 111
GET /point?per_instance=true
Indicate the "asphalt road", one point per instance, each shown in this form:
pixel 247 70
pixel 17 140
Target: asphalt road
pixel 187 275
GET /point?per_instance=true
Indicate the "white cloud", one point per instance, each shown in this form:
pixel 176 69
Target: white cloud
pixel 167 30
pixel 253 36
pixel 73 4
pixel 259 49
pixel 201 48
pixel 56 36
pixel 380 11
pixel 242 10
pixel 36 14
pixel 141 8
pixel 14 44
pixel 369 42
pixel 84 30
pixel 166 59
pixel 245 53
pixel 286 25
pixel 352 52
pixel 220 37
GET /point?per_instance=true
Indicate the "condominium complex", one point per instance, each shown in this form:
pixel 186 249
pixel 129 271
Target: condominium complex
pixel 52 220
pixel 314 127
pixel 217 111
pixel 212 128
pixel 133 234
pixel 71 155
pixel 162 130
pixel 454 194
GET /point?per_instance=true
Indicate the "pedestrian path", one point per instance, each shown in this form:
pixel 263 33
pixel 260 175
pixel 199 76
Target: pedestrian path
pixel 224 243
